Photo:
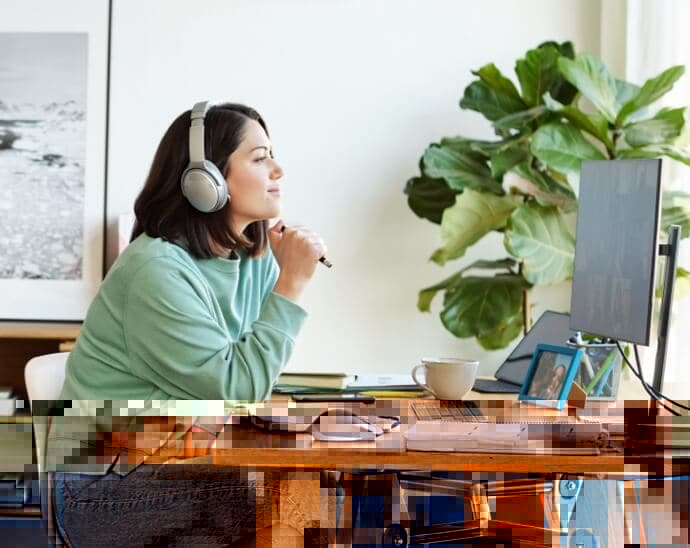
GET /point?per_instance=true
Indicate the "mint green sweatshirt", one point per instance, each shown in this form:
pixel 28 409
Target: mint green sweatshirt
pixel 165 325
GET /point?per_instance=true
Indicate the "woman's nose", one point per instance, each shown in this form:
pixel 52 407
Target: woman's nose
pixel 277 170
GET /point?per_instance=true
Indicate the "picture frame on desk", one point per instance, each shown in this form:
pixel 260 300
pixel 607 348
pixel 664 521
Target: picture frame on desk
pixel 53 127
pixel 550 375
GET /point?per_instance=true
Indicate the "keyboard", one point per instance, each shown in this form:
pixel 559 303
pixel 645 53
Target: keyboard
pixel 448 410
pixel 460 411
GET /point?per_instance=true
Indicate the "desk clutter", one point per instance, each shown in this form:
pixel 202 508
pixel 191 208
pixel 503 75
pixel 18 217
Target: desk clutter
pixel 379 386
pixel 433 425
pixel 323 422
pixel 463 427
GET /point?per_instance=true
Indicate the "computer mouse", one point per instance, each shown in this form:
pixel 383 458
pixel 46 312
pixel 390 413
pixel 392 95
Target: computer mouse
pixel 345 422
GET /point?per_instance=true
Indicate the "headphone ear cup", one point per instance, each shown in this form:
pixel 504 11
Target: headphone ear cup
pixel 205 187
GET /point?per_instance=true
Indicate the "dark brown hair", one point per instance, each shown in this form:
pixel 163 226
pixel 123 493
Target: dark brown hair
pixel 163 212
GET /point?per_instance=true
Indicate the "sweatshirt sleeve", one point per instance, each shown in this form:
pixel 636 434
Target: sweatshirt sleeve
pixel 175 340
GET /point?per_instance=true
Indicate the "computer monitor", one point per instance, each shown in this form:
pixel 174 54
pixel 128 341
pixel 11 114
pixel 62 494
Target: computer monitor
pixel 616 249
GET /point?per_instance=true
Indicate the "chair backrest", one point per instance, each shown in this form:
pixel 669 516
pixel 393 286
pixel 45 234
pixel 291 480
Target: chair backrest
pixel 44 377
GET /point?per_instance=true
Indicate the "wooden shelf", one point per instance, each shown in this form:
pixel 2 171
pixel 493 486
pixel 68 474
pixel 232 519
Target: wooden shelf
pixel 22 340
pixel 67 331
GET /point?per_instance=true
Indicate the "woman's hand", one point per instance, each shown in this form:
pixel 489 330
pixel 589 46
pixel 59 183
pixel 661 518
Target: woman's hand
pixel 297 251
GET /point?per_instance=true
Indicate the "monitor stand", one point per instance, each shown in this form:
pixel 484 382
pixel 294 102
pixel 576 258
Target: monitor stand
pixel 669 250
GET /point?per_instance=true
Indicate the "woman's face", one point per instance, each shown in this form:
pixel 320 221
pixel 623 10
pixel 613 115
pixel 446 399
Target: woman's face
pixel 253 179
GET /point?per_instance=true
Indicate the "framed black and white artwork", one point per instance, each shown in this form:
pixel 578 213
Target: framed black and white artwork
pixel 53 118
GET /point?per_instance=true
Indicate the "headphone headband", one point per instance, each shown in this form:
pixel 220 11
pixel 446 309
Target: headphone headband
pixel 196 132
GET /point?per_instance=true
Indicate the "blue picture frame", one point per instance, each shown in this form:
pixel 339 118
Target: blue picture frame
pixel 551 391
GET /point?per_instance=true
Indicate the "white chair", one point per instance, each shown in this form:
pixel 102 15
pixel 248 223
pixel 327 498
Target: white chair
pixel 44 377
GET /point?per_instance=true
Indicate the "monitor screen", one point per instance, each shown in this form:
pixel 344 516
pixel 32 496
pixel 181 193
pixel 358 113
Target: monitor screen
pixel 616 249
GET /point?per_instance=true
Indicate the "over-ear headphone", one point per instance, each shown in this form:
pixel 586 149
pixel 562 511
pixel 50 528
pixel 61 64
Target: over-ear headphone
pixel 202 182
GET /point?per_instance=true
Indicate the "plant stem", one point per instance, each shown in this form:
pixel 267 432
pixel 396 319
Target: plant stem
pixel 526 316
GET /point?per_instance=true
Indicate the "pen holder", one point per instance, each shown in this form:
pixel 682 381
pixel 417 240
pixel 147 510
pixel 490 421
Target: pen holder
pixel 600 370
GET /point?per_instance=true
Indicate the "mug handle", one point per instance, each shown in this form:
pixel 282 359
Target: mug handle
pixel 420 383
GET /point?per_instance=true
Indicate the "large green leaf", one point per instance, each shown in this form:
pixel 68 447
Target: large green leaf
pixel 522 119
pixel 547 190
pixel 478 306
pixel 465 146
pixel 427 294
pixel 503 335
pixel 566 49
pixel 490 75
pixel 428 197
pixel 459 169
pixel 593 79
pixel 652 90
pixel 625 91
pixel 489 148
pixel 537 72
pixel 493 104
pixel 594 124
pixel 504 160
pixel 675 210
pixel 539 236
pixel 562 90
pixel 656 151
pixel 473 216
pixel 563 147
pixel 665 127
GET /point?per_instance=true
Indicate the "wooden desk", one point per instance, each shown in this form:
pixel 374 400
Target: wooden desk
pixel 247 447
pixel 252 447
pixel 389 452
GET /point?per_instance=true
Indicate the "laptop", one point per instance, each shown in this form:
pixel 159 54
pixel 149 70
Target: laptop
pixel 551 328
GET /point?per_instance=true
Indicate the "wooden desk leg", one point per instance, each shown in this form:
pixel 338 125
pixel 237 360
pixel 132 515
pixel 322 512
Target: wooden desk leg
pixel 347 519
pixel 479 502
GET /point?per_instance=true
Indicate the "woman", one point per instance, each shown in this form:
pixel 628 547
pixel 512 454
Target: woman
pixel 202 305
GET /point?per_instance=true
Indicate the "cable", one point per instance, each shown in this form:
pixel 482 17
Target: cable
pixel 639 376
pixel 635 371
pixel 661 396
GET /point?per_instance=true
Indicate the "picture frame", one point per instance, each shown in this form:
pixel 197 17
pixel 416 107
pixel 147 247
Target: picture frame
pixel 550 375
pixel 53 136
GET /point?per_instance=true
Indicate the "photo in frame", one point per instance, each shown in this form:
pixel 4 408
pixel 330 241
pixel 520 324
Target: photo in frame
pixel 53 125
pixel 550 375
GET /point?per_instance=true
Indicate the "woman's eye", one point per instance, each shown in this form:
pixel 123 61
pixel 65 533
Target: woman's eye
pixel 260 159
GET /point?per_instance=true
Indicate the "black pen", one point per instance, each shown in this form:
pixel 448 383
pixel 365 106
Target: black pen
pixel 322 260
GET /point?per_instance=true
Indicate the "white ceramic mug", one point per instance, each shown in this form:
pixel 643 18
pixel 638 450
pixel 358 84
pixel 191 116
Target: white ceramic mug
pixel 447 378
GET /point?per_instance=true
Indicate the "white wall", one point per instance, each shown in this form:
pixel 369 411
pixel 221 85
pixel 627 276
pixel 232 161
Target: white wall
pixel 352 92
pixel 656 39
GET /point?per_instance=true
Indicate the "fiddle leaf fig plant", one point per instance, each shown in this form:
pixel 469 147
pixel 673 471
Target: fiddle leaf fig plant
pixel 564 109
